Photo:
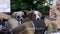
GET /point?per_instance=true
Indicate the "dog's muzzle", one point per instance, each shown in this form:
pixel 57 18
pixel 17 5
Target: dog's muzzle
pixel 19 18
pixel 38 18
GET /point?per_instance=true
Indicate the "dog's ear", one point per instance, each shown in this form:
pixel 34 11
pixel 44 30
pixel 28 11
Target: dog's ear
pixel 29 14
pixel 25 14
pixel 14 14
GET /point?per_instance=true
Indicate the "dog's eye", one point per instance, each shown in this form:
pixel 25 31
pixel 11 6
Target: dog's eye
pixel 34 15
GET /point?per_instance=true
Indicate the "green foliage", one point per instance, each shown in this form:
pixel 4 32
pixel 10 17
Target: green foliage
pixel 17 5
pixel 43 9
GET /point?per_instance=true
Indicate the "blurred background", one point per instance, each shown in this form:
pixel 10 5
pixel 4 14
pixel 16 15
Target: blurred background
pixel 41 5
pixel 4 5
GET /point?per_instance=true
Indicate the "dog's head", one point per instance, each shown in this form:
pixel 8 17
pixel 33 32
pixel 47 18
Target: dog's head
pixel 36 15
pixel 18 15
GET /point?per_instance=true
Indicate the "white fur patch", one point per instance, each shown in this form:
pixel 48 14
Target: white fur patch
pixel 0 27
pixel 20 13
pixel 13 23
pixel 37 14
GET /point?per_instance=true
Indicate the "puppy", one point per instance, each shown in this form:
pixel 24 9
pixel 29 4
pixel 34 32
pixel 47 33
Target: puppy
pixel 34 15
pixel 19 16
pixel 25 28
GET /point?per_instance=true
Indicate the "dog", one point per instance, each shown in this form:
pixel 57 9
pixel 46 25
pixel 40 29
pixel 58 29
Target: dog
pixel 24 28
pixel 17 27
pixel 19 15
pixel 34 15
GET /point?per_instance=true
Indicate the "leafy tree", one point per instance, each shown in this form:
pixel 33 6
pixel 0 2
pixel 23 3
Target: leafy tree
pixel 17 5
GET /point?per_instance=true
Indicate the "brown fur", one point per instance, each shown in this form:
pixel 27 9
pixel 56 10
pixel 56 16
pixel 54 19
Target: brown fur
pixel 47 21
pixel 31 15
pixel 4 16
pixel 26 20
pixel 22 29
pixel 26 11
pixel 54 25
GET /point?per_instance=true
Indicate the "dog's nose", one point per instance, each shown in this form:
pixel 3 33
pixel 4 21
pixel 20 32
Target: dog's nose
pixel 18 17
pixel 37 18
pixel 21 19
